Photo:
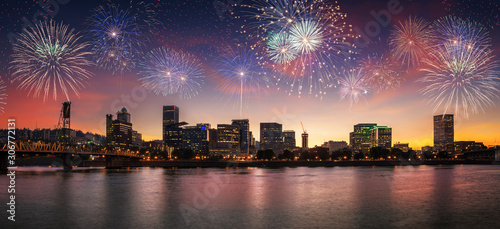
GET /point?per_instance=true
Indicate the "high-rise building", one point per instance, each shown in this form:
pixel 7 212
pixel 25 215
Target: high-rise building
pixel 123 115
pixel 271 137
pixel 289 140
pixel 172 133
pixel 381 136
pixel 361 137
pixel 136 138
pixel 228 140
pixel 305 140
pixel 109 129
pixel 196 138
pixel 444 133
pixel 244 133
pixel 120 130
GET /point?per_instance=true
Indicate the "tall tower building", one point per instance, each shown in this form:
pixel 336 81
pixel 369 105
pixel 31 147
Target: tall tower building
pixel 271 137
pixel 109 129
pixel 119 131
pixel 305 140
pixel 289 140
pixel 123 115
pixel 244 133
pixel 172 133
pixel 444 132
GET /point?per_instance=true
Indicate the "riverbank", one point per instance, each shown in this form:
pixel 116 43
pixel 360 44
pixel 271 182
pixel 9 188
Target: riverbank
pixel 278 164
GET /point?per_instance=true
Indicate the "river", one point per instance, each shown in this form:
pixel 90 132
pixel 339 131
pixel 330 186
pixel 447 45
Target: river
pixel 454 196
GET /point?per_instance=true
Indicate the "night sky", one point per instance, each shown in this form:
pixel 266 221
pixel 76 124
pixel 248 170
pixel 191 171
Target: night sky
pixel 194 27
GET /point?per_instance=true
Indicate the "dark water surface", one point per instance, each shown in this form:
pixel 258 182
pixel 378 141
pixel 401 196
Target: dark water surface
pixel 459 196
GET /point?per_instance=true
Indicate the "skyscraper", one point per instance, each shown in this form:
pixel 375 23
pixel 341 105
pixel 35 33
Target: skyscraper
pixel 289 140
pixel 361 137
pixel 305 140
pixel 172 133
pixel 444 132
pixel 381 136
pixel 271 137
pixel 119 133
pixel 244 133
pixel 228 140
pixel 196 138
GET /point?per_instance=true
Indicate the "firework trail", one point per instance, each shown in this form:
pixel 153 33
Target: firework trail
pixel 353 86
pixel 50 58
pixel 461 73
pixel 3 96
pixel 242 73
pixel 410 41
pixel 166 72
pixel 116 38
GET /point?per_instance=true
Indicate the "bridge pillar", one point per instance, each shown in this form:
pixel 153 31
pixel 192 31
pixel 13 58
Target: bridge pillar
pixel 4 163
pixel 109 162
pixel 66 161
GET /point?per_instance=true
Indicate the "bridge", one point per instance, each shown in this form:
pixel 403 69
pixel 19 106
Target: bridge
pixel 64 151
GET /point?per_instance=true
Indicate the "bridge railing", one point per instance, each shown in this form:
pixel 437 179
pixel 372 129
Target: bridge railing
pixel 57 147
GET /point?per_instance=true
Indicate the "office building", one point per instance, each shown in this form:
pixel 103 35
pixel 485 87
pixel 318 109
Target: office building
pixel 289 140
pixel 244 126
pixel 271 137
pixel 361 137
pixel 172 132
pixel 119 131
pixel 444 133
pixel 381 136
pixel 368 135
pixel 196 138
pixel 335 145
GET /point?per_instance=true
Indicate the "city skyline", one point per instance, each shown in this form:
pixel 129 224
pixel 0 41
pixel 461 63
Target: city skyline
pixel 328 118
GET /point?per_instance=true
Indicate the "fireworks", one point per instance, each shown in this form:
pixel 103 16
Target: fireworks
pixel 353 86
pixel 49 57
pixel 465 79
pixel 168 72
pixel 306 37
pixel 410 41
pixel 3 96
pixel 280 48
pixel 116 38
pixel 306 42
pixel 242 73
pixel 459 33
pixel 381 72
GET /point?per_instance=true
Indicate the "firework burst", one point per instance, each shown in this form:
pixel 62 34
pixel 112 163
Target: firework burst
pixel 305 42
pixel 50 58
pixel 463 79
pixel 242 73
pixel 459 33
pixel 381 72
pixel 410 41
pixel 280 49
pixel 116 38
pixel 166 72
pixel 353 86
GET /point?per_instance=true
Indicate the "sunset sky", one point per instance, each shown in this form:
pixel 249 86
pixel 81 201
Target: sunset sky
pixel 195 27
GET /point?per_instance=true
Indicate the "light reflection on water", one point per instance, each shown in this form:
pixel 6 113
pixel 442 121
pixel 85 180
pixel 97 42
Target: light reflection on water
pixel 339 197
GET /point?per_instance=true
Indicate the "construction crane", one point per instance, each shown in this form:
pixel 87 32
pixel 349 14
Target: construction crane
pixel 303 130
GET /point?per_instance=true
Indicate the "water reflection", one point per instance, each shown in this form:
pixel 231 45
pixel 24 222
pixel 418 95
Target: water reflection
pixel 339 197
